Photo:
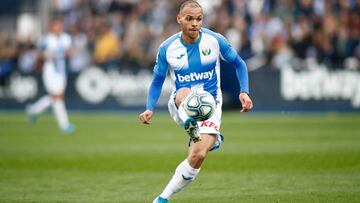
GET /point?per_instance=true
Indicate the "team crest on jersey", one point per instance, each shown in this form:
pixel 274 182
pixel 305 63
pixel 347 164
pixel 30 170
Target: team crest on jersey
pixel 206 51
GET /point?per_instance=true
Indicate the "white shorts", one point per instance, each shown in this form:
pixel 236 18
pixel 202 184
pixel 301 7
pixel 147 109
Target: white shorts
pixel 210 126
pixel 54 80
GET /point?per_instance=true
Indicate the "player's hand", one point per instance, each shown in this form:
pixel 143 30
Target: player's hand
pixel 146 116
pixel 246 102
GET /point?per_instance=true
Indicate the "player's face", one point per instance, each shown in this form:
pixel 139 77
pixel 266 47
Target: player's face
pixel 57 27
pixel 190 20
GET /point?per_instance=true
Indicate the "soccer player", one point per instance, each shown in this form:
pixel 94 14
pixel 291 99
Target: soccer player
pixel 54 48
pixel 192 59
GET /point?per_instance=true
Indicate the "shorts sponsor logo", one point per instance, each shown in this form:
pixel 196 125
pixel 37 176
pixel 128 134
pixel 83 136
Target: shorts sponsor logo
pixel 210 125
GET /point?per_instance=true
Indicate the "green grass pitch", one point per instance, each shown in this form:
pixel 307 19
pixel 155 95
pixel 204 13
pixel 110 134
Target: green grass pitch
pixel 113 158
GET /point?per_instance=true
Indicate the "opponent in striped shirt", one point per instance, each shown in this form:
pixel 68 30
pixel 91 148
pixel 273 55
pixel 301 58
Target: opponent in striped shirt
pixel 54 48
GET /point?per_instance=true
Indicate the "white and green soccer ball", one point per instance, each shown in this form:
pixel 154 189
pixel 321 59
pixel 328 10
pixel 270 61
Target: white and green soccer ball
pixel 200 105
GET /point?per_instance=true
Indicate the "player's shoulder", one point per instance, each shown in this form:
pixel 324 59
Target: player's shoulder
pixel 207 31
pixel 165 44
pixel 65 36
pixel 219 37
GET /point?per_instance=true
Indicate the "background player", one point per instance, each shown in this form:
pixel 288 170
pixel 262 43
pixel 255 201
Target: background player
pixel 54 48
pixel 192 59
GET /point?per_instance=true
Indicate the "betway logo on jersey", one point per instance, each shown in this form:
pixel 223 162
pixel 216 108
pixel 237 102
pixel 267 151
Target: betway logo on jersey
pixel 196 76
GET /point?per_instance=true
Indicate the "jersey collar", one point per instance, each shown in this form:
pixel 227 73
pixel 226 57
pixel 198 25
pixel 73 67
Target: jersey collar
pixel 191 45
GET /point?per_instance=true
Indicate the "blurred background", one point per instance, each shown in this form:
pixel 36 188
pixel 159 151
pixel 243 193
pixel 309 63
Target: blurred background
pixel 302 55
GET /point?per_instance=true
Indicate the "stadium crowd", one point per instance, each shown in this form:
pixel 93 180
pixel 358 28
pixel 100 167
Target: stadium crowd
pixel 126 33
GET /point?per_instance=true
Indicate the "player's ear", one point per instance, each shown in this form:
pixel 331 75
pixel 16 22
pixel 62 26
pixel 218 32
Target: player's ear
pixel 178 19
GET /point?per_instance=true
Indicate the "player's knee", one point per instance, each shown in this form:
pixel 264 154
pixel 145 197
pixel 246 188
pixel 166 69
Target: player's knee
pixel 181 95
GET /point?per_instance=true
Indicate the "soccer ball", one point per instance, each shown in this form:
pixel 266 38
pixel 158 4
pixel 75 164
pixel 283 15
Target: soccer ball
pixel 200 105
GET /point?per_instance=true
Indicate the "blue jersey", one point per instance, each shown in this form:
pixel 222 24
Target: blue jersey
pixel 195 66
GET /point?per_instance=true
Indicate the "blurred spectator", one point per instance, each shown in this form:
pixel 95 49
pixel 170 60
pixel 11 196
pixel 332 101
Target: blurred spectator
pixel 80 58
pixel 135 37
pixel 281 53
pixel 107 45
pixel 118 32
pixel 8 58
pixel 27 57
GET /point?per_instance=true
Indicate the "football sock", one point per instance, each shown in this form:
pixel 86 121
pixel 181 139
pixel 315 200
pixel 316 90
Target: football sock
pixel 60 113
pixel 40 105
pixel 184 174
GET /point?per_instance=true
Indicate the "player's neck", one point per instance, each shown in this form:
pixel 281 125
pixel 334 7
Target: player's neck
pixel 57 34
pixel 189 40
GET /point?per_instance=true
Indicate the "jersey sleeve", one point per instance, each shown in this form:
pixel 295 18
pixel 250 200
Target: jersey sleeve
pixel 241 73
pixel 160 71
pixel 228 53
pixel 154 91
pixel 161 65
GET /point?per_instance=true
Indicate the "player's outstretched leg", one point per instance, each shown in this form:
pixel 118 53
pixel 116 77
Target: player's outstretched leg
pixel 187 170
pixel 192 128
pixel 62 116
pixel 184 174
pixel 159 199
pixel 38 107
pixel 190 124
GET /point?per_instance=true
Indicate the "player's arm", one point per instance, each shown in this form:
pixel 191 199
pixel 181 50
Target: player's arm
pixel 154 93
pixel 230 55
pixel 242 75
pixel 71 50
pixel 152 98
pixel 40 50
